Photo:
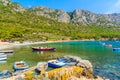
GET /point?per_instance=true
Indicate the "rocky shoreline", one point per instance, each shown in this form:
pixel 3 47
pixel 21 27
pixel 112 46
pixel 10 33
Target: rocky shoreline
pixel 83 70
pixel 85 64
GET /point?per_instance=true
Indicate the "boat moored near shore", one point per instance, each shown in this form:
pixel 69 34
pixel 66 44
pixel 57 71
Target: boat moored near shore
pixel 43 49
pixel 21 65
pixel 3 58
pixel 116 49
pixel 5 74
pixel 7 51
pixel 55 64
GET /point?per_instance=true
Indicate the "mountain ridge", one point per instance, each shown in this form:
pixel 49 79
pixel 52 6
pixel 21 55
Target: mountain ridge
pixel 19 23
pixel 78 16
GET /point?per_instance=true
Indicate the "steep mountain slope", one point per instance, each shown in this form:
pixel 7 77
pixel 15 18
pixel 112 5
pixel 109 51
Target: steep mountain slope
pixel 18 23
pixel 78 16
pixel 59 15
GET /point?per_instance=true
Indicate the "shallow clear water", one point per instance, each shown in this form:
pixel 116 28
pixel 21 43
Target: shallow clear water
pixel 105 61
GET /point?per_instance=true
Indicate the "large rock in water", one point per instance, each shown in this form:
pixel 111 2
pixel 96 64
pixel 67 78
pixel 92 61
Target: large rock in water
pixel 85 64
pixel 81 63
pixel 87 68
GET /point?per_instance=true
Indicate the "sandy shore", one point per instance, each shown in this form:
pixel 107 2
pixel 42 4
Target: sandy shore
pixel 5 45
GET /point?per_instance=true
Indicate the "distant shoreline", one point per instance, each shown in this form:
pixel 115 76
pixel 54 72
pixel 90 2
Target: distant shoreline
pixel 5 45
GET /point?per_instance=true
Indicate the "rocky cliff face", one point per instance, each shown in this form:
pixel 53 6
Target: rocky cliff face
pixel 59 15
pixel 115 17
pixel 5 2
pixel 78 16
pixel 83 16
pixel 87 17
pixel 13 6
pixel 18 7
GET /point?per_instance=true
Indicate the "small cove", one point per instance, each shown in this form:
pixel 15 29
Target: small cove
pixel 105 61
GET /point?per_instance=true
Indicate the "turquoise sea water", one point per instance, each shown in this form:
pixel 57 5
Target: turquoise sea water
pixel 106 62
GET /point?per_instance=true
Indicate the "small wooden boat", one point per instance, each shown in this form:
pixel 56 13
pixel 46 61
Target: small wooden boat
pixel 41 66
pixel 68 62
pixel 21 65
pixel 5 74
pixel 55 64
pixel 108 45
pixel 3 58
pixel 116 49
pixel 7 52
pixel 43 49
pixel 3 61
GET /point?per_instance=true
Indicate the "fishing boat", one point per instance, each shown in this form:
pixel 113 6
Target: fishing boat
pixel 55 64
pixel 108 45
pixel 5 74
pixel 3 58
pixel 7 51
pixel 41 66
pixel 43 49
pixel 21 65
pixel 68 62
pixel 116 49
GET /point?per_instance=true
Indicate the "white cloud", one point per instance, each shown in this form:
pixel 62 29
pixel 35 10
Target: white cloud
pixel 115 8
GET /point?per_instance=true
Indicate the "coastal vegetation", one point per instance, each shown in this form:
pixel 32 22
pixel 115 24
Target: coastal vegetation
pixel 20 26
pixel 24 26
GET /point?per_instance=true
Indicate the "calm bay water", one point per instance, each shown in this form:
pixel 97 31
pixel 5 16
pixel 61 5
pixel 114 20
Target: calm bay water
pixel 105 61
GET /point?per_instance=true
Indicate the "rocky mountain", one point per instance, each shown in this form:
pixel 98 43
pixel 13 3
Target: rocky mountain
pixel 12 6
pixel 41 23
pixel 59 15
pixel 77 17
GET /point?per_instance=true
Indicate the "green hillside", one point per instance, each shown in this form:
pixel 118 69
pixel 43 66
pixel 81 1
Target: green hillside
pixel 25 26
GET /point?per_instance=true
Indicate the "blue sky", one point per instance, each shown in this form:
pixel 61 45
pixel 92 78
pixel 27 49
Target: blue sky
pixel 96 6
